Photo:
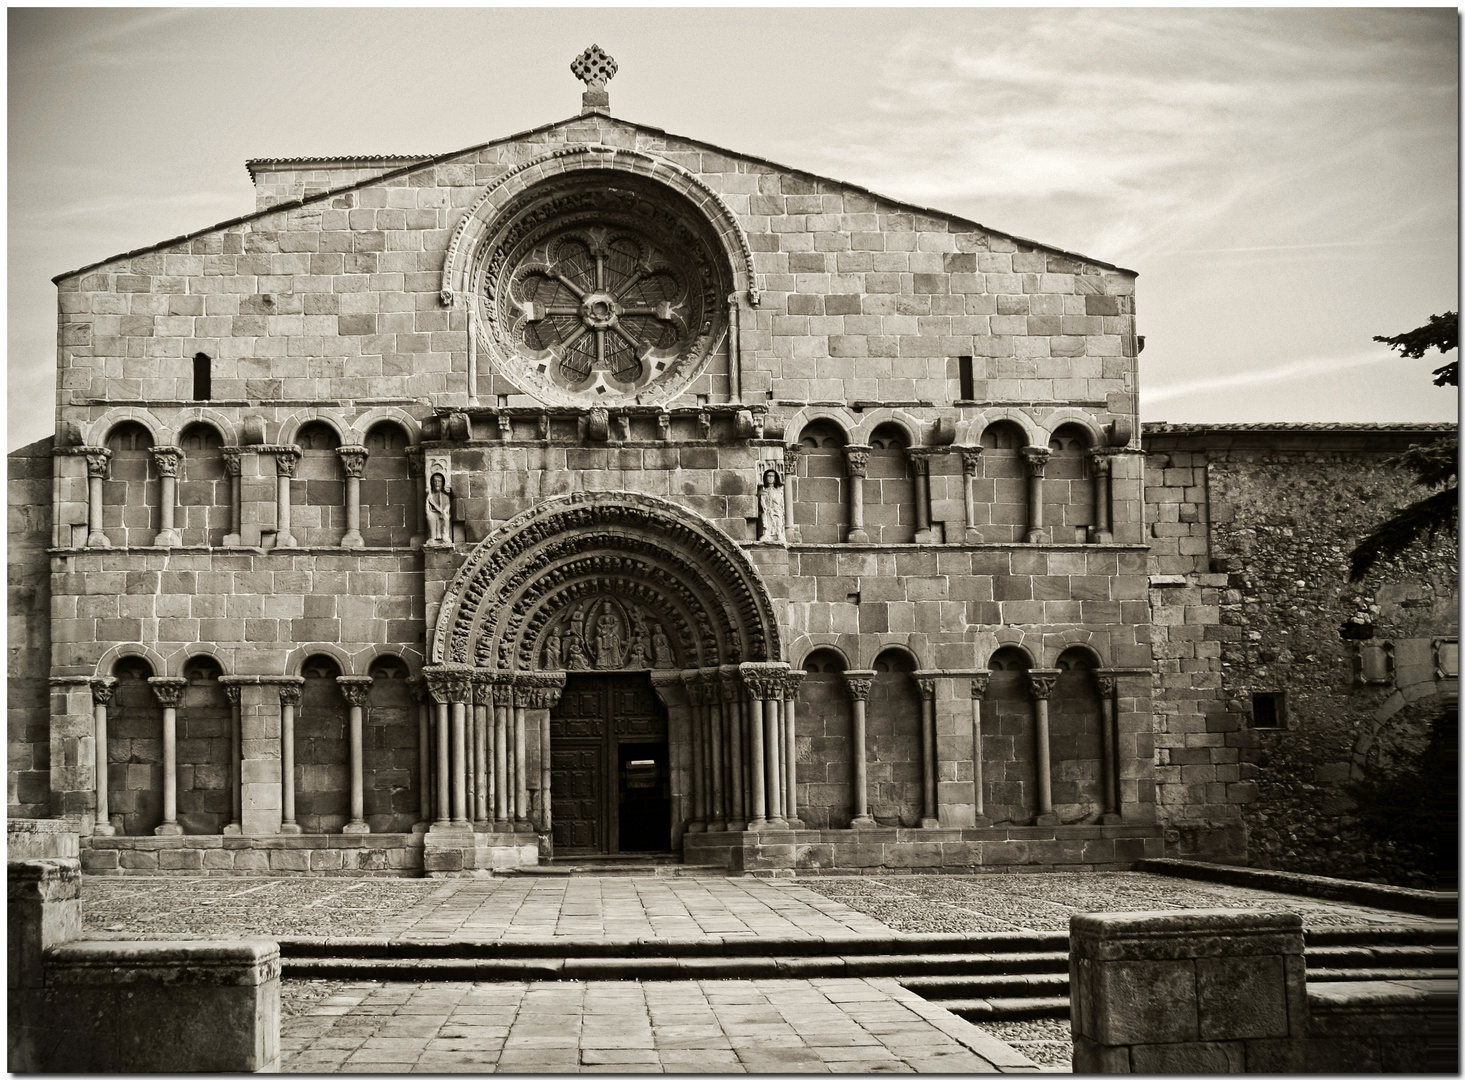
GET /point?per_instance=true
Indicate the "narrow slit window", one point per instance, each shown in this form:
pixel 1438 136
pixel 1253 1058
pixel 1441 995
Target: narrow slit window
pixel 202 377
pixel 964 376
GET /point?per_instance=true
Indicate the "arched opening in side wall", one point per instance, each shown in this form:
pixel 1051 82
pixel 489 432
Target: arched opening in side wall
pixel 389 750
pixel 1007 740
pixel 1075 740
pixel 204 721
pixel 824 765
pixel 388 490
pixel 318 493
pixel 821 495
pixel 134 750
pixel 893 742
pixel 322 761
pixel 890 488
pixel 1002 484
pixel 130 492
pixel 1068 487
pixel 204 490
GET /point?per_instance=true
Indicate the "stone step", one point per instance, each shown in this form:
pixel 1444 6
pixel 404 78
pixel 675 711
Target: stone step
pixel 948 987
pixel 1382 956
pixel 1446 934
pixel 1323 974
pixel 1008 1008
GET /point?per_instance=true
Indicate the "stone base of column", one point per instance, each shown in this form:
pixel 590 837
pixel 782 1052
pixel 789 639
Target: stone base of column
pixel 865 822
pixel 1037 536
pixel 717 826
pixel 1046 819
pixel 98 540
pixel 233 540
pixel 792 534
pixel 925 536
pixel 461 829
pixel 167 538
pixel 523 826
pixel 284 541
pixel 736 825
pixel 930 823
pixel 355 828
pixel 352 540
pixel 1111 819
pixel 857 536
pixel 761 826
pixel 981 821
pixel 1101 537
pixel 795 823
pixel 972 535
pixel 289 828
pixel 100 829
pixel 421 827
pixel 697 826
pixel 168 828
pixel 233 829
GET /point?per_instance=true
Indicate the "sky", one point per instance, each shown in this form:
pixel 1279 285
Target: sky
pixel 1285 182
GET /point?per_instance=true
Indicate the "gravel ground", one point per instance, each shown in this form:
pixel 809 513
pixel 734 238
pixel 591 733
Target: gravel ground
pixel 997 902
pixel 1048 1042
pixel 314 907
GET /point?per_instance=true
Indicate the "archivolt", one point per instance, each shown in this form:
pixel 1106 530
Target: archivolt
pixel 643 550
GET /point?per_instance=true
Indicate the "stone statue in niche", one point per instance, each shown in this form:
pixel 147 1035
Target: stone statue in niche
pixel 439 509
pixel 607 640
pixel 770 507
pixel 661 648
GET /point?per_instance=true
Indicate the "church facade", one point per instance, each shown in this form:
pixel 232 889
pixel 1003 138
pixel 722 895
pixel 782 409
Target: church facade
pixel 594 491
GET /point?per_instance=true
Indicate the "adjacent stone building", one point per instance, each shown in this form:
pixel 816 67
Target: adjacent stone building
pixel 596 491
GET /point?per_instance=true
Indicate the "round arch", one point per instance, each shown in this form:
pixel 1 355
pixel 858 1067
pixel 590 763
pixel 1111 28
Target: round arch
pixel 610 572
pixel 385 414
pixel 98 430
pixel 794 429
pixel 295 662
pixel 333 419
pixel 1074 418
pixel 362 659
pixel 808 647
pixel 212 417
pixel 131 648
pixel 1036 435
pixel 899 417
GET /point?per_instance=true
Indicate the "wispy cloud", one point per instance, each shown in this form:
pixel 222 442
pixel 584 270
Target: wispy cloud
pixel 1298 369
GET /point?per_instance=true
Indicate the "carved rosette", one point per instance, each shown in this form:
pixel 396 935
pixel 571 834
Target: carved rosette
pixel 858 683
pixel 980 681
pixel 102 690
pixel 290 695
pixel 1036 458
pixel 857 460
pixel 233 460
pixel 168 690
pixel 971 457
pixel 286 459
pixel 355 689
pixel 98 461
pixel 353 460
pixel 1041 683
pixel 167 460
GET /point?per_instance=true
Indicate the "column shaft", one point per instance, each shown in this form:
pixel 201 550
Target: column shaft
pixel 859 782
pixel 236 500
pixel 358 795
pixel 521 769
pixel 699 793
pixel 1111 762
pixel 772 750
pixel 790 747
pixel 480 762
pixel 353 512
pixel 236 761
pixel 857 460
pixel 282 513
pixel 99 725
pixel 444 739
pixel 500 766
pixel 170 773
pixel 1040 735
pixel 167 496
pixel 757 815
pixel 928 760
pixel 737 813
pixel 546 809
pixel 460 764
pixel 424 762
pixel 718 820
pixel 95 537
pixel 287 769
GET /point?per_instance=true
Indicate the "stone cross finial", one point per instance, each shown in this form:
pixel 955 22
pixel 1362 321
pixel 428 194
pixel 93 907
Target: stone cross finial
pixel 594 67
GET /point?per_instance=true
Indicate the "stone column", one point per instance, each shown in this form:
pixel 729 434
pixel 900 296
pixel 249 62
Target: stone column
pixel 1037 460
pixel 790 476
pixel 791 683
pixel 1106 683
pixel 418 686
pixel 503 699
pixel 1102 461
pixel 1040 684
pixel 289 702
pixel 857 463
pixel 930 812
pixel 286 459
pixel 523 698
pixel 765 687
pixel 459 695
pixel 102 690
pixel 732 717
pixel 696 716
pixel 980 680
pixel 234 467
pixel 167 459
pixel 773 753
pixel 712 691
pixel 483 779
pixel 971 456
pixel 858 683
pixel 353 463
pixel 920 459
pixel 169 692
pixel 236 759
pixel 758 797
pixel 419 487
pixel 355 689
pixel 98 464
pixel 548 686
pixel 441 685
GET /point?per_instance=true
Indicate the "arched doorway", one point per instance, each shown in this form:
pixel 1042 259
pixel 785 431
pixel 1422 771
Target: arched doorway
pixel 634 657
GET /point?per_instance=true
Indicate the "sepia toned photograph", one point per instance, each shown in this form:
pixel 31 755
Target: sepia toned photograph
pixel 733 540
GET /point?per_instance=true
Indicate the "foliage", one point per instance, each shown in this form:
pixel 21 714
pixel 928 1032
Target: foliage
pixel 1434 464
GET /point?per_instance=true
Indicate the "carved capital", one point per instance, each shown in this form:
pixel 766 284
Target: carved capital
pixel 167 460
pixel 764 681
pixel 696 689
pixel 543 688
pixel 920 457
pixel 1041 682
pixel 168 690
pixel 290 694
pixel 233 692
pixel 355 689
pixel 448 684
pixel 483 687
pixel 791 458
pixel 1102 459
pixel 980 681
pixel 857 459
pixel 791 683
pixel 1036 458
pixel 858 684
pixel 286 459
pixel 98 461
pixel 971 457
pixel 414 462
pixel 926 685
pixel 103 689
pixel 417 687
pixel 1106 684
pixel 233 460
pixel 353 460
pixel 732 687
pixel 503 690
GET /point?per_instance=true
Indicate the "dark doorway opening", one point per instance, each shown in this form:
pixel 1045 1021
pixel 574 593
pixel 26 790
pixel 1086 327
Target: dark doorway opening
pixel 610 783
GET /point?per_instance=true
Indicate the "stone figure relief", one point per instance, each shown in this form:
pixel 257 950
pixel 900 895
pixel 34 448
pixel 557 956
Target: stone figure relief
pixel 439 502
pixel 661 648
pixel 770 507
pixel 605 633
pixel 607 639
pixel 552 656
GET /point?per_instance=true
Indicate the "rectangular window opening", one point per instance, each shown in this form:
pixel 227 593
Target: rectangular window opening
pixel 968 388
pixel 202 378
pixel 1269 710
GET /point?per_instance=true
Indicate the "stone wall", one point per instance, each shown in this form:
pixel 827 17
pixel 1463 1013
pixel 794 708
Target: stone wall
pixel 1251 531
pixel 28 632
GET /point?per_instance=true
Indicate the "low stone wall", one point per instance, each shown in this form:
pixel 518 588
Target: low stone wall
pixel 1399 1025
pixel 384 854
pixel 39 838
pixel 454 852
pixel 834 851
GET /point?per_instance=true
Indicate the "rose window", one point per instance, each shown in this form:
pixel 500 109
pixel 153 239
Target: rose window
pixel 601 291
